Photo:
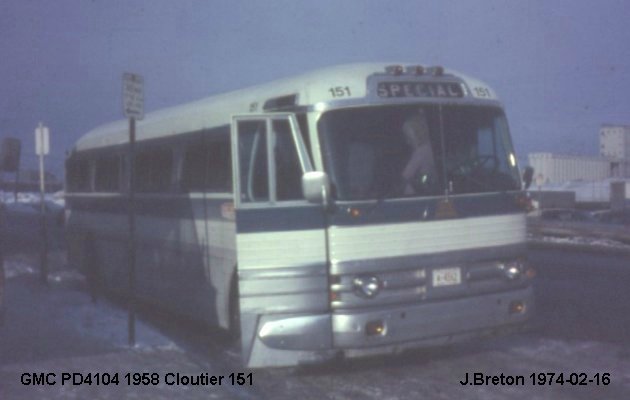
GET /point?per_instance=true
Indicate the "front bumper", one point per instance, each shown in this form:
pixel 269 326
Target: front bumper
pixel 431 324
pixel 283 340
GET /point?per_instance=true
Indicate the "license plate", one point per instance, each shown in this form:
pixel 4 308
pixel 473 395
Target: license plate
pixel 447 276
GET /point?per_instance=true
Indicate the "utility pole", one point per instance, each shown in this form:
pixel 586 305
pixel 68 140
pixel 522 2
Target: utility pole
pixel 133 107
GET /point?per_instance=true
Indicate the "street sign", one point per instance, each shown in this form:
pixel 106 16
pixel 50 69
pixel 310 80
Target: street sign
pixel 133 96
pixel 42 148
pixel 42 141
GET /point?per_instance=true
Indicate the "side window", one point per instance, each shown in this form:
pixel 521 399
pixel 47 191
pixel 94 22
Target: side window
pixel 154 170
pixel 253 163
pixel 107 174
pixel 194 172
pixel 287 163
pixel 303 124
pixel 208 165
pixel 269 162
pixel 78 175
pixel 220 164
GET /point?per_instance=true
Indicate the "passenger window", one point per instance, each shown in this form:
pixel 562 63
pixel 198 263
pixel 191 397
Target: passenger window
pixel 194 171
pixel 107 174
pixel 253 165
pixel 78 175
pixel 208 165
pixel 220 165
pixel 287 163
pixel 153 170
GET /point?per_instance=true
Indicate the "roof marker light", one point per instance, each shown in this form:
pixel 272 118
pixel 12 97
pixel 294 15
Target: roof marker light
pixel 437 70
pixel 320 107
pixel 415 70
pixel 394 69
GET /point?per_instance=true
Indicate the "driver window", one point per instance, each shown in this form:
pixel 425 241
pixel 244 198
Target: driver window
pixel 288 169
pixel 486 148
pixel 253 165
pixel 360 171
pixel 420 172
pixel 485 142
pixel 255 147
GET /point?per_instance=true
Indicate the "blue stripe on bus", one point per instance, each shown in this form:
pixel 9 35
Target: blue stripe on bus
pixel 308 216
pixel 250 220
pixel 160 206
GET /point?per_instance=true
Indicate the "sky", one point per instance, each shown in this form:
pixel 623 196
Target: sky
pixel 561 68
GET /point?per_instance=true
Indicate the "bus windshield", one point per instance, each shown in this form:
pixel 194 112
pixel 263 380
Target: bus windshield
pixel 417 150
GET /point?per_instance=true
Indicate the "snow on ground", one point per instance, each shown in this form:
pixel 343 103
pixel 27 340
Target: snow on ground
pixel 580 240
pixel 57 329
pixel 100 320
pixel 16 267
pixel 31 198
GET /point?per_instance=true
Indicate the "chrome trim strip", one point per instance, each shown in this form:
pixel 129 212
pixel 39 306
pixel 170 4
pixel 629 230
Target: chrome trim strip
pixel 301 271
pixel 403 263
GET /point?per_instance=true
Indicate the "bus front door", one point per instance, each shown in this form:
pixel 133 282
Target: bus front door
pixel 281 246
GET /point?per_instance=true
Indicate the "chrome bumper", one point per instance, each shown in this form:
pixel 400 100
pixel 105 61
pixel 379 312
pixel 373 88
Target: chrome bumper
pixel 284 340
pixel 430 320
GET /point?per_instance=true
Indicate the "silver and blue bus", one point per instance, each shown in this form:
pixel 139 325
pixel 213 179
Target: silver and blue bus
pixel 356 210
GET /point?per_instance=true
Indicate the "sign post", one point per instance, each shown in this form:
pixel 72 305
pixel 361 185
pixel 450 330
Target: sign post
pixel 133 107
pixel 42 148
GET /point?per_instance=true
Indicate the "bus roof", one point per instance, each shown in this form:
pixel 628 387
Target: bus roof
pixel 309 89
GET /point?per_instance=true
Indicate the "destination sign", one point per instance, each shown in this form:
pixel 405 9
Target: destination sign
pixel 419 89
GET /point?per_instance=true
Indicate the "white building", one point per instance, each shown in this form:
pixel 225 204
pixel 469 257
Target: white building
pixel 614 142
pixel 614 145
pixel 613 162
pixel 558 168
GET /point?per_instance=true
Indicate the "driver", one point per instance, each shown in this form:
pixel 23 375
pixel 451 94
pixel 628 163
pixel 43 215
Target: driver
pixel 421 166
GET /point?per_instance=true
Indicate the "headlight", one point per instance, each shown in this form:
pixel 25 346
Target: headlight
pixel 513 269
pixel 512 272
pixel 366 286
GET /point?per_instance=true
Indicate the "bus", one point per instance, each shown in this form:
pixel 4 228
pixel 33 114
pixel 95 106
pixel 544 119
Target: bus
pixel 355 210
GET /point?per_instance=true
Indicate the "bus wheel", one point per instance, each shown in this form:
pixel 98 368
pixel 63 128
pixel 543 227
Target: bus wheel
pixel 235 310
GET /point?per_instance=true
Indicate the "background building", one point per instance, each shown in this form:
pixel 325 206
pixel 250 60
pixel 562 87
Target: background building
pixel 614 142
pixel 614 145
pixel 559 168
pixel 613 160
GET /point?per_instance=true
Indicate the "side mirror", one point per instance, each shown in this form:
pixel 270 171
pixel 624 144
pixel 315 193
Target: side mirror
pixel 316 187
pixel 528 175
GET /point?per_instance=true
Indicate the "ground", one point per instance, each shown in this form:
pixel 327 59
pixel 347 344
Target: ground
pixel 57 328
